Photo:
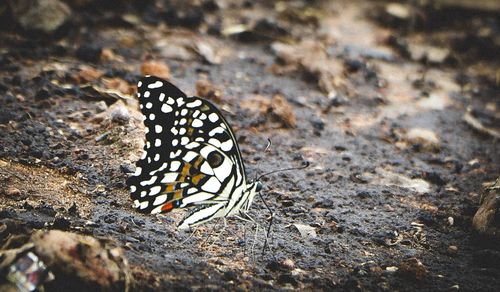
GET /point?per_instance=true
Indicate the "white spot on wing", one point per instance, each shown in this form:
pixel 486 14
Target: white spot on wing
pixel 226 146
pixel 169 178
pixel 158 129
pixel 152 117
pixel 138 171
pixel 147 93
pixel 184 141
pixel 155 190
pixel 217 130
pixel 197 123
pixel 149 105
pixel 155 85
pixel 192 145
pixel 139 84
pixel 160 200
pixel 133 189
pixel 174 166
pixel 149 182
pixel 195 103
pixel 175 154
pixel 166 108
pixel 162 96
pixel 157 210
pixel 144 205
pixel 157 143
pixel 213 117
pixel 190 155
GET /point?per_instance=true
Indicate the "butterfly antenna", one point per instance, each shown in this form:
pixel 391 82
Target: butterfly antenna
pixel 306 165
pixel 269 143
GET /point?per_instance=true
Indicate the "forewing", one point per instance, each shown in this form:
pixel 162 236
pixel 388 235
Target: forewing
pixel 190 155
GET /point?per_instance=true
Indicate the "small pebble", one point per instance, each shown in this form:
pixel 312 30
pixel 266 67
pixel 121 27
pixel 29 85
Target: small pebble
pixel 120 114
pixel 101 106
pixel 452 249
pixel 289 264
pixel 451 221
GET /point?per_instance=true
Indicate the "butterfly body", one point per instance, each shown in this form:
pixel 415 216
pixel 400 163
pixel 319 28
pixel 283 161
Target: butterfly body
pixel 190 158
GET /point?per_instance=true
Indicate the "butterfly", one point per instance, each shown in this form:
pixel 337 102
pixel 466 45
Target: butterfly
pixel 190 158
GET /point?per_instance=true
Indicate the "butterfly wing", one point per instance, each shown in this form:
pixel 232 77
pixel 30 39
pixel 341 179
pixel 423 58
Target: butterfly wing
pixel 190 157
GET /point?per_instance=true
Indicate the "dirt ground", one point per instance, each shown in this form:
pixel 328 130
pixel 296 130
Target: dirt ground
pixel 373 98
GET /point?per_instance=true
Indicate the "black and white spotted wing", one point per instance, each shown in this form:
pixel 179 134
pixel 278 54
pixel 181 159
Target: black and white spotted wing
pixel 191 157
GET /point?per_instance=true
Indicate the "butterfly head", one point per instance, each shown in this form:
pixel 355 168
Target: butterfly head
pixel 251 191
pixel 258 186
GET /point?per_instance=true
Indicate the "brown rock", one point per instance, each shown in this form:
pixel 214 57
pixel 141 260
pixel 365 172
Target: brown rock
pixel 87 74
pixel 119 85
pixel 256 104
pixel 207 90
pixel 88 262
pixel 413 268
pixel 425 137
pixel 486 219
pixel 310 57
pixel 283 111
pixel 156 68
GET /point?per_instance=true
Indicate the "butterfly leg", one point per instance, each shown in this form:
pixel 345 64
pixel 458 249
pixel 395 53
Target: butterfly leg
pixel 247 218
pixel 221 232
pixel 271 219
pixel 189 237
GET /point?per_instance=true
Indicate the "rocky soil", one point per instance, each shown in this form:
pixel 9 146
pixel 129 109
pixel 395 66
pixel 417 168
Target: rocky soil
pixel 395 107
